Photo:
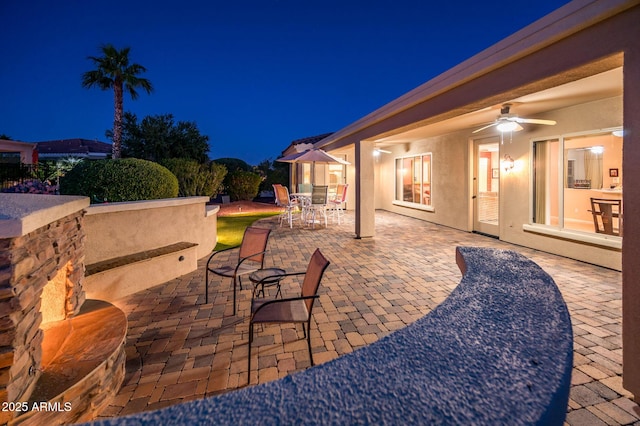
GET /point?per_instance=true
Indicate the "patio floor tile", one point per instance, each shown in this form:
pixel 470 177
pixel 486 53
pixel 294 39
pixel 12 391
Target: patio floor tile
pixel 179 348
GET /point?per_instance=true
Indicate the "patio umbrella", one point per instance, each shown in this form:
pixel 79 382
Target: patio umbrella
pixel 314 156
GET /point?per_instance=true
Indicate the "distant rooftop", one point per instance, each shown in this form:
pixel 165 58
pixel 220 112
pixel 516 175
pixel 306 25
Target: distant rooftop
pixel 311 139
pixel 84 148
pixel 307 140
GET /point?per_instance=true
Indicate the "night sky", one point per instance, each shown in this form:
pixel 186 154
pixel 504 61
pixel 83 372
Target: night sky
pixel 253 75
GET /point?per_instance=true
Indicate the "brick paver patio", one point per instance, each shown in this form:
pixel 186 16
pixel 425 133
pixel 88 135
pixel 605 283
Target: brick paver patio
pixel 179 348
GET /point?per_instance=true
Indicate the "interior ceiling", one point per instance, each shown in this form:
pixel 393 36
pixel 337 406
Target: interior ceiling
pixel 599 86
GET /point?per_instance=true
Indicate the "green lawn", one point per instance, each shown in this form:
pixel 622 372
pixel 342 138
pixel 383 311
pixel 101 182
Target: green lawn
pixel 231 228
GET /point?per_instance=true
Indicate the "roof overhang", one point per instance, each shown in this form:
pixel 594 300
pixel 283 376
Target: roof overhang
pixel 8 146
pixel 445 97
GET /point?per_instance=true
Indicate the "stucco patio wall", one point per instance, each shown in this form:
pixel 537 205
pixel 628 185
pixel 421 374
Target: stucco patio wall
pixel 149 233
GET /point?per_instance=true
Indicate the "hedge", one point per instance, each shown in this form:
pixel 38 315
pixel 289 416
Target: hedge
pixel 128 179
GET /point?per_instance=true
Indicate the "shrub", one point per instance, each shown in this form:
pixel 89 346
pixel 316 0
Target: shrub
pixel 273 172
pixel 233 165
pixel 32 186
pixel 195 178
pixel 243 185
pixel 128 179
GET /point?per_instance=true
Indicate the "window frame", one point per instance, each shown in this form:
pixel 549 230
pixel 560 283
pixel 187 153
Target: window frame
pixel 559 231
pixel 418 206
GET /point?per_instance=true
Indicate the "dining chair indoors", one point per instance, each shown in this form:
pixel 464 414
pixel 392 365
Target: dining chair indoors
pixel 290 310
pixel 607 216
pixel 250 259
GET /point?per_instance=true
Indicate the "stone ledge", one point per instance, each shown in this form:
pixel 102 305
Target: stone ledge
pixel 498 350
pixel 24 213
pixel 144 204
pixel 113 279
pixel 105 265
pixel 82 366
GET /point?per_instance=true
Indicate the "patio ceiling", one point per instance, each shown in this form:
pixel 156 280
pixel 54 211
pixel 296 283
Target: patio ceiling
pixel 599 86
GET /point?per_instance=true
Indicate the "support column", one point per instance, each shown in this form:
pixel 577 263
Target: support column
pixel 365 196
pixel 293 177
pixel 631 237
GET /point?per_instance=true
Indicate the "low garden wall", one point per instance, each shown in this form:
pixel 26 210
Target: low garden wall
pixel 131 246
pixel 498 350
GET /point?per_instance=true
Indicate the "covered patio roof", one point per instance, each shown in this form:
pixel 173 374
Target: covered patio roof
pixel 527 69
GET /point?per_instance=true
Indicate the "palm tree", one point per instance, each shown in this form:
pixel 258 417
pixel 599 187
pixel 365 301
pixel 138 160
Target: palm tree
pixel 115 72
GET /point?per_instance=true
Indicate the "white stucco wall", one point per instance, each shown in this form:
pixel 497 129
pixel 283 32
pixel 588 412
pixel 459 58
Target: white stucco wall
pixel 119 229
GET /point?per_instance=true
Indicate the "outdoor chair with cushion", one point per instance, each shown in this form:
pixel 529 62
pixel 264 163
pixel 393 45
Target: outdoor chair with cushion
pixel 283 199
pixel 291 310
pixel 250 259
pixel 304 188
pixel 338 202
pixel 318 205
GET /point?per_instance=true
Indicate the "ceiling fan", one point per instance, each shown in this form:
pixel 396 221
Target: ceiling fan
pixel 508 122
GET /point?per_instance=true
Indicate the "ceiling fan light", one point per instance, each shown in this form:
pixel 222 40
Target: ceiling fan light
pixel 509 126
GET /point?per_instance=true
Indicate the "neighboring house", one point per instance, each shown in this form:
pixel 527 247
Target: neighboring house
pixel 17 152
pixel 308 141
pixel 79 148
pixel 530 186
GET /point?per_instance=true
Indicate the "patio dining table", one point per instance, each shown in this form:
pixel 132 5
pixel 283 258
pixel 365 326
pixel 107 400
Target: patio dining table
pixel 305 203
pixel 301 195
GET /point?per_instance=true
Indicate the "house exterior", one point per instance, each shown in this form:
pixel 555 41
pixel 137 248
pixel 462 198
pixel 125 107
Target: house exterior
pixel 30 153
pixel 17 152
pixel 436 153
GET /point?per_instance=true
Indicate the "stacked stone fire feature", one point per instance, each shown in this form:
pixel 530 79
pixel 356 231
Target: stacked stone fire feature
pixel 40 235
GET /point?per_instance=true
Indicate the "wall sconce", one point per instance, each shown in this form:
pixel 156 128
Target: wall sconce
pixel 507 163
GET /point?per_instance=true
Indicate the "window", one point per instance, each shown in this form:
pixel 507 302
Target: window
pixel 413 181
pixel 569 173
pixel 10 157
pixel 306 172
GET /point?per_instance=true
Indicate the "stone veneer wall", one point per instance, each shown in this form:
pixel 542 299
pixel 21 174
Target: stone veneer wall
pixel 27 263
